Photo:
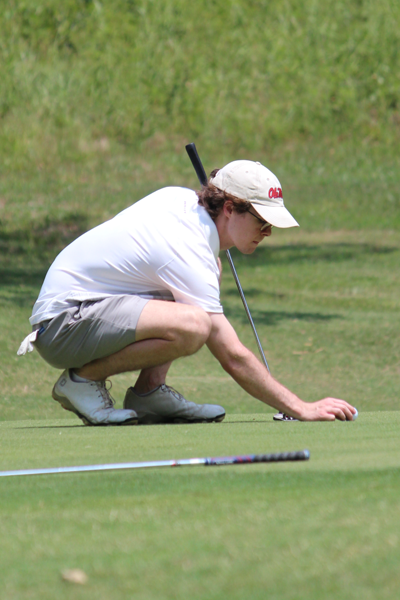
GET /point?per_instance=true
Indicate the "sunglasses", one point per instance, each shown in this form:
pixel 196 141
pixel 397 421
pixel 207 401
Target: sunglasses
pixel 264 225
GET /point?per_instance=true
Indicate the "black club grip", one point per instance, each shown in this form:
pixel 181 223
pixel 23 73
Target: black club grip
pixel 197 164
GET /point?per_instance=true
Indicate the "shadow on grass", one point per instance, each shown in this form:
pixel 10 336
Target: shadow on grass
pixel 20 286
pixel 44 239
pixel 299 253
pixel 27 252
pixel 273 317
pixel 28 275
pixel 51 426
pixel 252 292
pixel 221 424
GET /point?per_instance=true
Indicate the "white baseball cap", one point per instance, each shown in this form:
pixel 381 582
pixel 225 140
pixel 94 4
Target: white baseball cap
pixel 255 183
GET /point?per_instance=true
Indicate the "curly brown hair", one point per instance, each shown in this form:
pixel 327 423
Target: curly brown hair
pixel 213 199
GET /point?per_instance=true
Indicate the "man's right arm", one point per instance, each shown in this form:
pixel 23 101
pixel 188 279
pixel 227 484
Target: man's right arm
pixel 243 366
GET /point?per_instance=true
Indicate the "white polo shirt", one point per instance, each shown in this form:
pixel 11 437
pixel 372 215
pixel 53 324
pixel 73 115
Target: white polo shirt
pixel 164 246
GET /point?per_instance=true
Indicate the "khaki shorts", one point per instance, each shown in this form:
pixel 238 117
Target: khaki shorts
pixel 90 330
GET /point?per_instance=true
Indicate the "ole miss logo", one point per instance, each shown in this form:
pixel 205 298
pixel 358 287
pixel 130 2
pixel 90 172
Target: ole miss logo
pixel 275 193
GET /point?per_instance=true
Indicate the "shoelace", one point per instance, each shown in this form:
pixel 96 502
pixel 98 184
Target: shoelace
pixel 174 392
pixel 104 393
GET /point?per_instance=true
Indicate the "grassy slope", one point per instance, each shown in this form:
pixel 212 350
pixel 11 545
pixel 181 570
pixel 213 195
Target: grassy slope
pixel 96 103
pixel 80 77
pixel 325 306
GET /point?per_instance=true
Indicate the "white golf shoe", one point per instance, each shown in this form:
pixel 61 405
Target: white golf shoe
pixel 91 401
pixel 166 405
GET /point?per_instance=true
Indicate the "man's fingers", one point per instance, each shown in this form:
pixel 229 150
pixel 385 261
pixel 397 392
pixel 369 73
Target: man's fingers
pixel 330 417
pixel 330 409
pixel 340 415
pixel 344 412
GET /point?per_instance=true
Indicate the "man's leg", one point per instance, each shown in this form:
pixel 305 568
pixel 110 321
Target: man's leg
pixel 165 331
pixel 151 378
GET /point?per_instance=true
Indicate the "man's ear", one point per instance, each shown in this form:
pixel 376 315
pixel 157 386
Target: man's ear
pixel 228 208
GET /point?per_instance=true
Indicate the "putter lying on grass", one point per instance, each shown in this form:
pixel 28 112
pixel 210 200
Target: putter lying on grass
pixel 207 462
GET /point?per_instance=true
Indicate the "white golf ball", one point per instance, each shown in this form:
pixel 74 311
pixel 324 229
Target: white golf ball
pixel 355 415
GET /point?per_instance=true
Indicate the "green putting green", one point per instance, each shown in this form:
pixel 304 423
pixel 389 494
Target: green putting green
pixel 326 528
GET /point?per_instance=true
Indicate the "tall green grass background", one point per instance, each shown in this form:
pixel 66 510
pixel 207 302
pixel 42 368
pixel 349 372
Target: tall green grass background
pixel 97 100
pixel 82 77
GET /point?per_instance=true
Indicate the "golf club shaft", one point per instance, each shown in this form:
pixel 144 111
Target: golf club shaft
pixel 246 308
pixel 207 462
pixel 201 174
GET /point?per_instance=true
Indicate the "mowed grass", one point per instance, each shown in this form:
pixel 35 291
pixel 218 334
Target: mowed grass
pixel 325 299
pixel 326 308
pixel 96 104
pixel 323 529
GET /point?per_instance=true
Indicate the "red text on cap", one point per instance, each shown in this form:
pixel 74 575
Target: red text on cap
pixel 275 193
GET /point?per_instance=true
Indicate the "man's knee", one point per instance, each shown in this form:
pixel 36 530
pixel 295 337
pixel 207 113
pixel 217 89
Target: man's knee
pixel 188 327
pixel 195 329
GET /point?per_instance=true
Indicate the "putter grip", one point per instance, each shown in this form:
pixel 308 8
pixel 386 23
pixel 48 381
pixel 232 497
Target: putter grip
pixel 282 456
pixel 258 458
pixel 196 162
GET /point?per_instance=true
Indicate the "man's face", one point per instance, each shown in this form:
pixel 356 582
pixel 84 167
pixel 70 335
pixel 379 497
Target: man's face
pixel 246 230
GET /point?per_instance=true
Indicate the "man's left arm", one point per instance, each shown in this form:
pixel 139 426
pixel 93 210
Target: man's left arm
pixel 243 366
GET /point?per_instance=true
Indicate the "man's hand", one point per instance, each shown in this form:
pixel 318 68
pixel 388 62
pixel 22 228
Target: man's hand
pixel 327 409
